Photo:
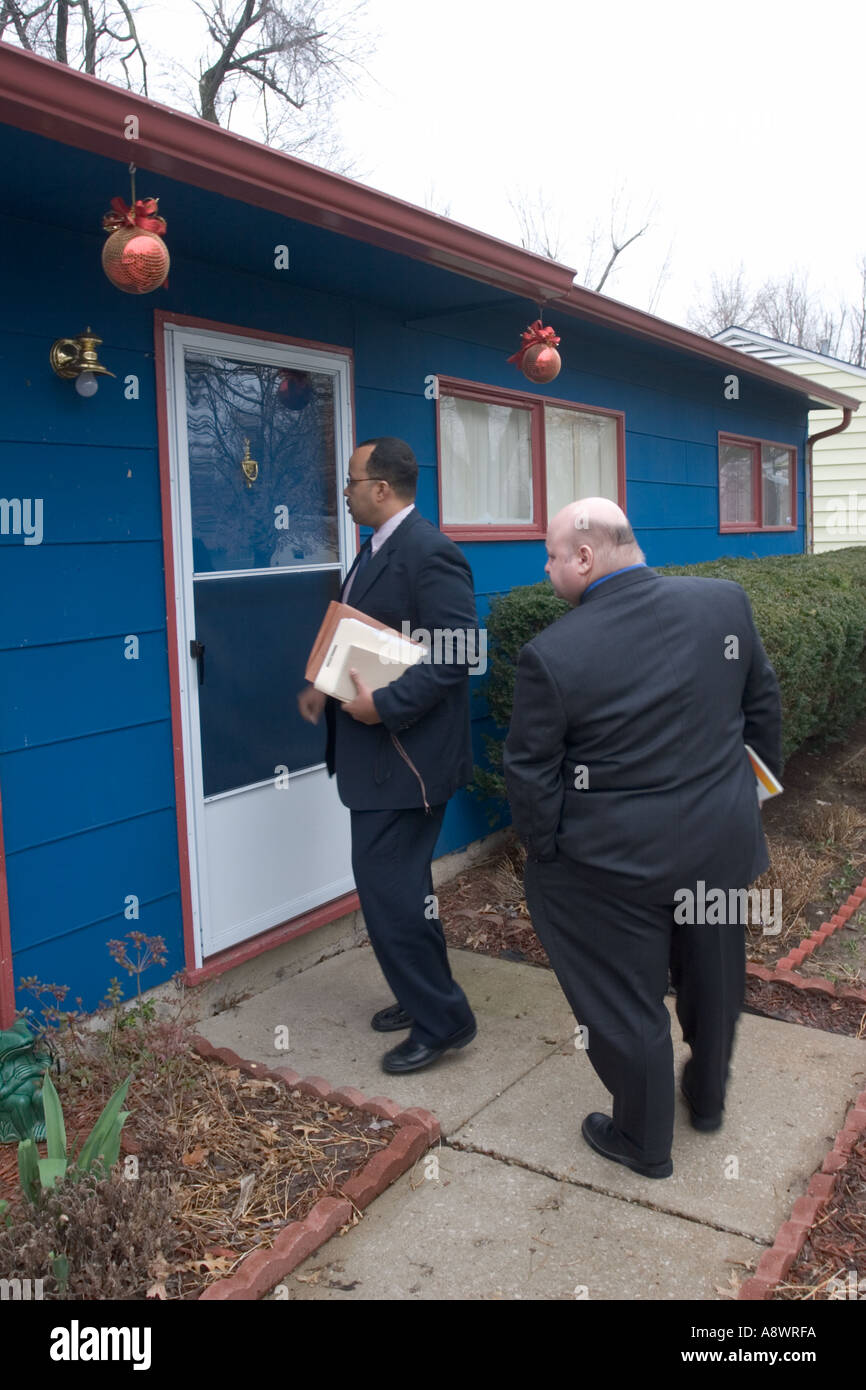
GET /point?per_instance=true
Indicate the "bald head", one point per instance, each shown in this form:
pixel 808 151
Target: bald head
pixel 587 540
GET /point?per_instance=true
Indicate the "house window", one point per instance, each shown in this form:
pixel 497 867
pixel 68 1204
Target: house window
pixel 581 453
pixel 509 461
pixel 757 485
pixel 487 454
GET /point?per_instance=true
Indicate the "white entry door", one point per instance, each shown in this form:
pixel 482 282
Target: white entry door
pixel 260 437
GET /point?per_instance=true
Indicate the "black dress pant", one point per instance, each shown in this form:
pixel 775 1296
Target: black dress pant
pixel 612 957
pixel 391 854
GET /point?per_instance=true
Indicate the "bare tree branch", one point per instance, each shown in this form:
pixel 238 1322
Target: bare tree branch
pixel 618 248
pixel 86 34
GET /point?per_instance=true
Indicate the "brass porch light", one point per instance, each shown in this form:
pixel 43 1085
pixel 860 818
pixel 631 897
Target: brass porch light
pixel 77 358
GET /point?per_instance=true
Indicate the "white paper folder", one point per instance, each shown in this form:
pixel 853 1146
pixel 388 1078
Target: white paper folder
pixel 379 655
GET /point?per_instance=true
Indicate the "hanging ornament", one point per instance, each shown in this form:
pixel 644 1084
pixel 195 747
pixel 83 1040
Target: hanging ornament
pixel 538 359
pixel 295 389
pixel 135 258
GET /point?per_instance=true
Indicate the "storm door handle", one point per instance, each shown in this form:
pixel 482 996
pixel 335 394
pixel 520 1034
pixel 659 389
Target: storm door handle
pixel 196 651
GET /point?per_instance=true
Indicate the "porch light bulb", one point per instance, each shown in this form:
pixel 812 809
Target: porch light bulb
pixel 86 384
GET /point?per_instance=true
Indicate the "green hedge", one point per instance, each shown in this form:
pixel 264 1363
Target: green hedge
pixel 809 609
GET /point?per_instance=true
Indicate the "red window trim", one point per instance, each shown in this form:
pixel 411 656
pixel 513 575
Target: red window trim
pixel 726 528
pixel 503 395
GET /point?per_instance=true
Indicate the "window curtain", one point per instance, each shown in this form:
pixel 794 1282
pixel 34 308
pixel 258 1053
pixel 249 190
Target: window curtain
pixel 486 463
pixel 777 471
pixel 581 457
pixel 736 462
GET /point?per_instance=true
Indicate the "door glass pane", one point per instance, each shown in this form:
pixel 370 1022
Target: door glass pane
pixel 278 519
pixel 282 420
pixel 257 632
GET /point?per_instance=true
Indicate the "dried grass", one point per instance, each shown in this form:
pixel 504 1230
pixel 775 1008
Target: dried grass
pixel 843 827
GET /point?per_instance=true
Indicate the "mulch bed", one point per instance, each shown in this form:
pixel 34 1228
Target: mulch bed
pixel 832 1263
pixel 244 1156
pixel 790 1004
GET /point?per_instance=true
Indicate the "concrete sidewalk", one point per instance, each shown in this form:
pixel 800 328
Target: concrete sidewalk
pixel 521 1207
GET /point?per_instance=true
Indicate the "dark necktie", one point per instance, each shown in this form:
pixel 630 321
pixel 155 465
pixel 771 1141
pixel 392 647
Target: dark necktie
pixel 364 557
pixel 363 560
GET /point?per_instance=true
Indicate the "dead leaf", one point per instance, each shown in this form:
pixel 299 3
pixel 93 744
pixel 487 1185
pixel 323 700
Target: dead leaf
pixel 306 1131
pixel 212 1262
pixel 195 1156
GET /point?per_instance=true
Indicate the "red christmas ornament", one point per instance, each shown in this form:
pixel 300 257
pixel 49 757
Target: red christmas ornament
pixel 537 358
pixel 295 390
pixel 135 258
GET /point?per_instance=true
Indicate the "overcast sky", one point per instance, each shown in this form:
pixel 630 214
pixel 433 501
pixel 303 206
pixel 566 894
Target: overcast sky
pixel 739 127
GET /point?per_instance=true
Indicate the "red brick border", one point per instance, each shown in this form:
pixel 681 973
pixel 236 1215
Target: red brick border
pixel 784 972
pixel 791 1237
pixel 417 1129
pixel 809 943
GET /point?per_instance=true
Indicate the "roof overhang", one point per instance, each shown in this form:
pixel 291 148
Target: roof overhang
pixel 57 102
pixel 62 104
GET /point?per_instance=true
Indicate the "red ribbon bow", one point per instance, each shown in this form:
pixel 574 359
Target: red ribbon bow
pixel 535 333
pixel 139 216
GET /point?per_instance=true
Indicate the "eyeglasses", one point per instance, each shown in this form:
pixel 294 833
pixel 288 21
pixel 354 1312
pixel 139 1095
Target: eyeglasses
pixel 350 482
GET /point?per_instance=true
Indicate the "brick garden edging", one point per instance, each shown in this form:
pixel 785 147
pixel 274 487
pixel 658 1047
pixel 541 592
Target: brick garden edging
pixel 784 972
pixel 791 1237
pixel 417 1129
pixel 809 943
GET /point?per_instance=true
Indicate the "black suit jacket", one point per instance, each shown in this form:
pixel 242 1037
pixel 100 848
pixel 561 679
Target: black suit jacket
pixel 635 686
pixel 421 577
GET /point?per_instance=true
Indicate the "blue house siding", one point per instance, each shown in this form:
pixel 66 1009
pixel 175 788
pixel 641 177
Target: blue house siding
pixel 86 766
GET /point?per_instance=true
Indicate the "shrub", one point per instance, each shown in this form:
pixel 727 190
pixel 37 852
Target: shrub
pixel 809 609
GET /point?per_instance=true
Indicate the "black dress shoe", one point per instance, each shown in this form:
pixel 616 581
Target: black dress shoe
pixel 391 1020
pixel 599 1133
pixel 702 1122
pixel 412 1056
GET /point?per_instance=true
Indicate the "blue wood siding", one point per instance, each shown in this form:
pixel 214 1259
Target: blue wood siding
pixel 85 735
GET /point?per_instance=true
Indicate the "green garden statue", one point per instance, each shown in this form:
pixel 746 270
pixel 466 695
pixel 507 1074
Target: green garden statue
pixel 22 1067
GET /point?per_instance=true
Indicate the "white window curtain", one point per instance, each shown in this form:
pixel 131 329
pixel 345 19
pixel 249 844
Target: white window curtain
pixel 777 470
pixel 581 457
pixel 486 463
pixel 736 465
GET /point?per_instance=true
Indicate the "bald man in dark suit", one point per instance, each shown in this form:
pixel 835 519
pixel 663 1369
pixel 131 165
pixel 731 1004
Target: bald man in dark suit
pixel 630 786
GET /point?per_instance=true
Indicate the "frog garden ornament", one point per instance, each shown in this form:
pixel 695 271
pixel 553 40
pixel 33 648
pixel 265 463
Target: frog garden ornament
pixel 22 1067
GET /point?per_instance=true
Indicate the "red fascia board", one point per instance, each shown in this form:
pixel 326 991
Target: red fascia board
pixel 597 308
pixel 55 101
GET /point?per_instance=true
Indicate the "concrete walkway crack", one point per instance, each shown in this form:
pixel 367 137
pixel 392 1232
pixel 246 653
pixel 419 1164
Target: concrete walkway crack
pixel 511 1162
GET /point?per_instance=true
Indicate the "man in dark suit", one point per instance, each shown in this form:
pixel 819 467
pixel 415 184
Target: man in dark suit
pixel 400 752
pixel 631 788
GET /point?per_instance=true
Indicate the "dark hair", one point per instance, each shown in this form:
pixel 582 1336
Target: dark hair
pixel 393 460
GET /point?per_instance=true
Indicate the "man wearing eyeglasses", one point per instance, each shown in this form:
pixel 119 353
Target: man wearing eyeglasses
pixel 402 751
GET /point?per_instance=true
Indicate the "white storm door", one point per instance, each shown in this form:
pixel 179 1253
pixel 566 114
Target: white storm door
pixel 260 437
